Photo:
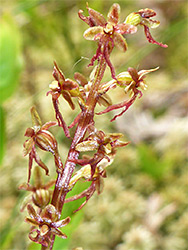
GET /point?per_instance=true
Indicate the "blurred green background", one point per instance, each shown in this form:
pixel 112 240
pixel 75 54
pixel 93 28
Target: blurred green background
pixel 144 203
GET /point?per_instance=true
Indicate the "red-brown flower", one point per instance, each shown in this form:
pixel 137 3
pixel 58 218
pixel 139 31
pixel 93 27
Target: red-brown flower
pixel 41 137
pixel 105 144
pixel 143 17
pixel 66 88
pixel 108 33
pixel 45 224
pixel 132 81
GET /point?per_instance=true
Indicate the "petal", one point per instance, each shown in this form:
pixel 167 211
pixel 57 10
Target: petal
pixel 125 28
pixel 58 74
pixel 58 233
pixel 134 74
pixel 67 97
pixel 105 100
pixel 35 117
pixel 114 14
pixel 150 23
pixel 80 79
pixel 39 162
pixel 47 125
pixel 97 18
pixel 86 19
pixel 147 13
pixel 29 132
pixel 90 33
pixel 28 146
pixel 70 84
pixel 60 119
pixel 87 146
pixel 26 186
pixel 61 223
pixel 33 214
pixel 141 73
pixel 119 144
pixel 31 221
pixel 114 136
pixel 120 42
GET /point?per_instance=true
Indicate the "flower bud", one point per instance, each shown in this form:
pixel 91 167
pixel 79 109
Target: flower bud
pixel 41 198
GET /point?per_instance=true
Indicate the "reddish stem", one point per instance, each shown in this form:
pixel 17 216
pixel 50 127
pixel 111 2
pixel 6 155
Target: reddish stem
pixel 86 118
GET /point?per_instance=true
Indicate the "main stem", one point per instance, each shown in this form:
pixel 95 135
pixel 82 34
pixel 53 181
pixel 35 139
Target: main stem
pixel 87 115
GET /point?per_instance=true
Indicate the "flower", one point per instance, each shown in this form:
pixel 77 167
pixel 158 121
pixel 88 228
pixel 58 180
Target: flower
pixel 105 144
pixel 41 137
pixel 97 183
pixel 132 80
pixel 143 17
pixel 108 33
pixel 45 224
pixel 68 89
pixel 41 195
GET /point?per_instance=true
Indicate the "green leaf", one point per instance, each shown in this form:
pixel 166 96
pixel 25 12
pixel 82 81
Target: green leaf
pixel 2 134
pixel 10 57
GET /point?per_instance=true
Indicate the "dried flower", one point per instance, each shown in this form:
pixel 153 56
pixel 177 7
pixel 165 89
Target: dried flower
pixel 143 17
pixel 39 136
pixel 45 224
pixel 107 32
